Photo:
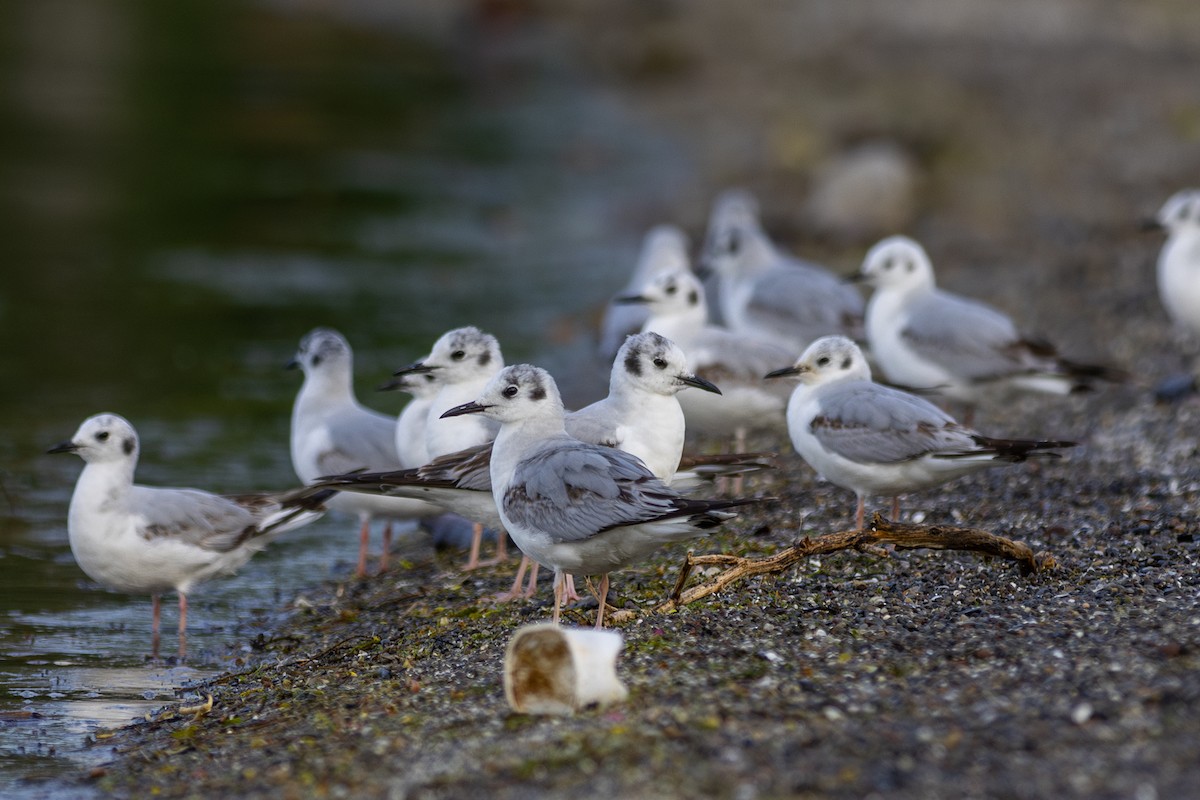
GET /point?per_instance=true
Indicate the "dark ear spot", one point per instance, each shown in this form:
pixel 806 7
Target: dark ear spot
pixel 128 445
pixel 632 365
pixel 538 393
pixel 846 362
pixel 909 266
pixel 693 297
pixel 484 358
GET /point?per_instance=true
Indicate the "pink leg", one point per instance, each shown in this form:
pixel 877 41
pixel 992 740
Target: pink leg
pixel 387 547
pixel 896 508
pixel 559 583
pixel 571 595
pixel 501 551
pixel 476 540
pixel 515 591
pixel 602 596
pixel 364 539
pixel 860 514
pixel 182 626
pixel 531 587
pixel 156 609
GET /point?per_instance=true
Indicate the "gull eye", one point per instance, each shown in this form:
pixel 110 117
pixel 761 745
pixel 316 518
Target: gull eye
pixel 888 263
pixel 458 355
pixel 735 242
pixel 511 390
pixel 661 363
pixel 102 436
pixel 823 361
pixel 671 289
pixel 316 360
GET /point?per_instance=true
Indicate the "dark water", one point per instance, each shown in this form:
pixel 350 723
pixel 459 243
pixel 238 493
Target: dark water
pixel 187 188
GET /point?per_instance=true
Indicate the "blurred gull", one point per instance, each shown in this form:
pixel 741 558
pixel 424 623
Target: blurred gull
pixel 664 249
pixel 766 293
pixel 145 540
pixel 411 447
pixel 929 339
pixel 1179 260
pixel 873 439
pixel 463 359
pixel 333 433
pixel 577 507
pixel 735 362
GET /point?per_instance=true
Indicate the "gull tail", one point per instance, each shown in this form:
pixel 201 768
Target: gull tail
pixel 696 468
pixel 705 514
pixel 1015 450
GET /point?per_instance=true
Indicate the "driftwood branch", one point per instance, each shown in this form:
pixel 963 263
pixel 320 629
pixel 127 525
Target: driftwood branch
pixel 879 532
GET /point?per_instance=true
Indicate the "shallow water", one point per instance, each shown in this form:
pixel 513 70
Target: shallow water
pixel 185 194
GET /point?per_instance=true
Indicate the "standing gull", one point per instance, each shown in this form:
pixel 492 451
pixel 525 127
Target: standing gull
pixel 873 439
pixel 146 540
pixel 1179 260
pixel 930 339
pixel 733 361
pixel 411 447
pixel 577 507
pixel 333 433
pixel 766 293
pixel 464 360
pixel 664 249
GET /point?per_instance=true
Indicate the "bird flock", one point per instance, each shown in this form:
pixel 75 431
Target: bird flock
pixel 744 339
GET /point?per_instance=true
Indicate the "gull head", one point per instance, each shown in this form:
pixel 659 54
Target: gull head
pixel 419 384
pixel 897 262
pixel 828 359
pixel 102 437
pixel 462 354
pixel 515 393
pixel 734 233
pixel 321 351
pixel 653 363
pixel 1180 212
pixel 670 294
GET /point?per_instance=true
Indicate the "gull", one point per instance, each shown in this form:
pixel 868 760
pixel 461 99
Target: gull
pixel 1179 260
pixel 664 249
pixel 929 339
pixel 579 508
pixel 766 293
pixel 411 447
pixel 733 361
pixel 874 439
pixel 464 360
pixel 150 540
pixel 640 415
pixel 333 433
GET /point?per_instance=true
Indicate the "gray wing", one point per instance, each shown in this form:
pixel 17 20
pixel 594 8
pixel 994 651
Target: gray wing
pixel 361 439
pixel 593 424
pixel 197 518
pixel 804 300
pixel 871 424
pixel 967 338
pixel 572 491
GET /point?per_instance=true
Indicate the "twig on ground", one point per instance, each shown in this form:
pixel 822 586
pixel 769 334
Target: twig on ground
pixel 880 531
